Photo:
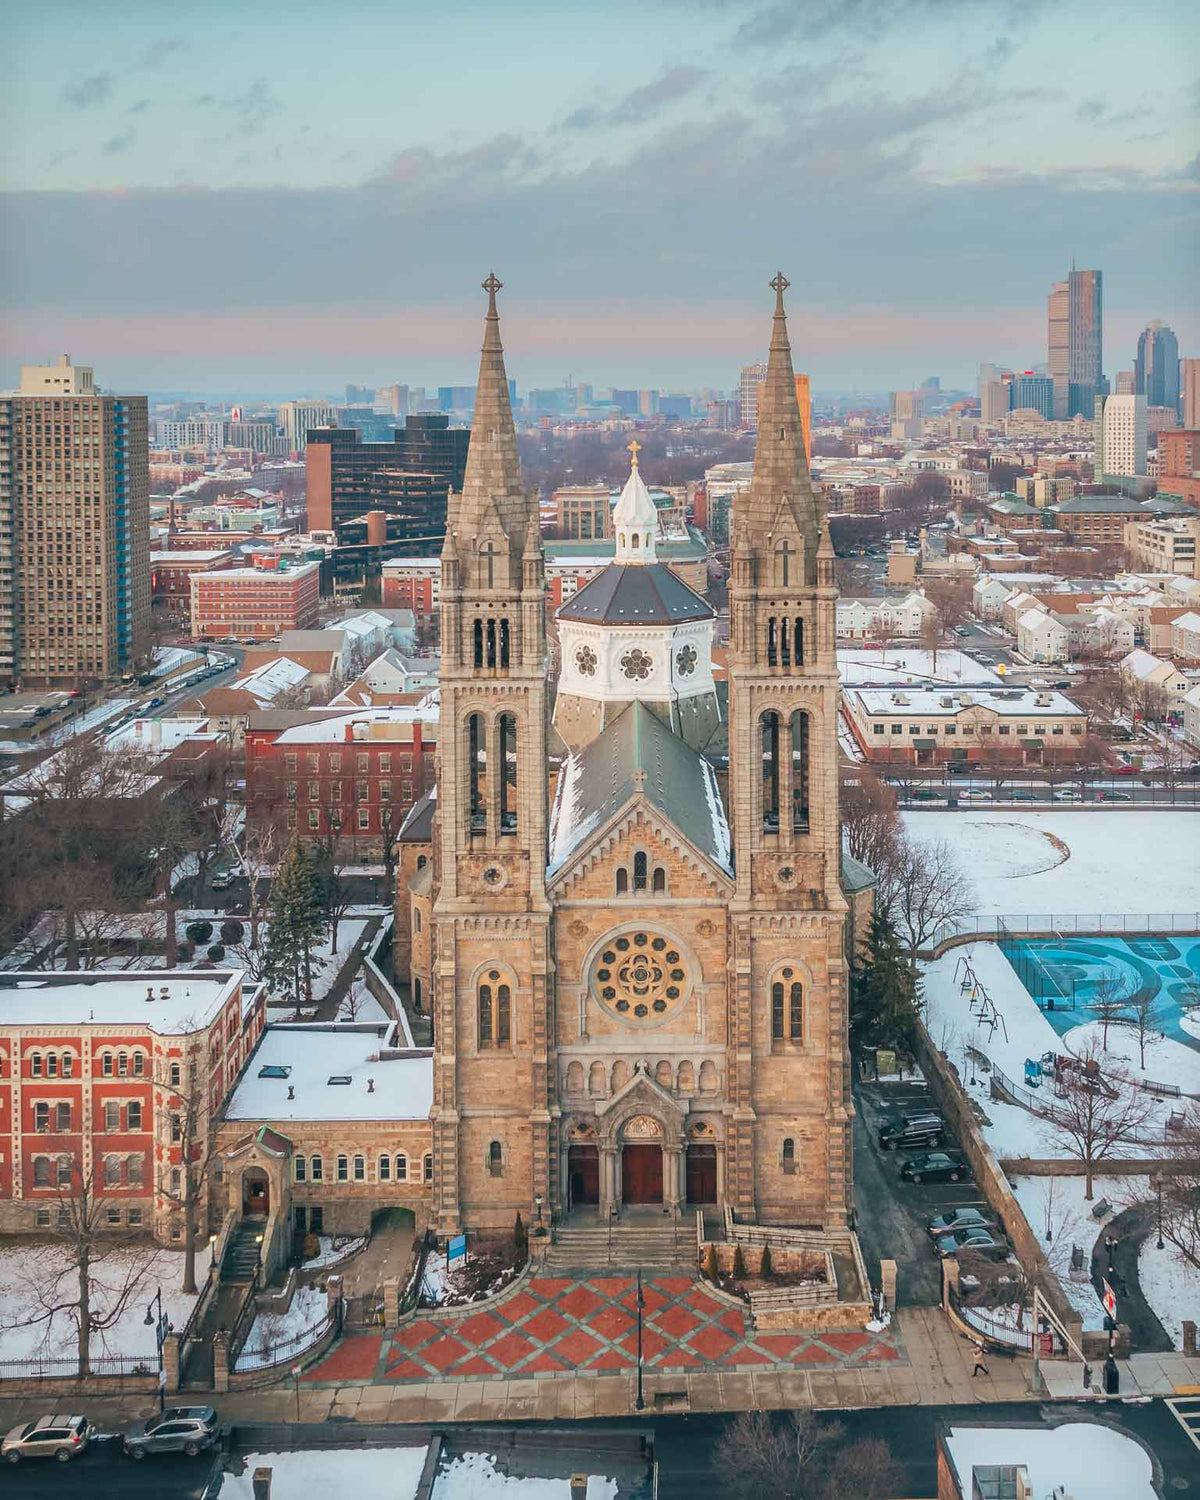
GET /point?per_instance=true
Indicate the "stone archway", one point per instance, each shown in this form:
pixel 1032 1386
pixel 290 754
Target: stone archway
pixel 256 1192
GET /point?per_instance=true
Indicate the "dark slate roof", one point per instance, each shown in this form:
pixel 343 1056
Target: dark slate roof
pixel 417 827
pixel 636 594
pixel 601 779
pixel 855 875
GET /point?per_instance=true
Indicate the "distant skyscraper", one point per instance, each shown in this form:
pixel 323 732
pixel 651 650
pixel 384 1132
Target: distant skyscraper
pixel 647 403
pixel 626 402
pixel 393 399
pixel 932 383
pixel 1120 435
pixel 749 383
pixel 297 417
pixel 1033 392
pixel 1189 380
pixel 1156 369
pixel 908 414
pixel 1075 343
pixel 1125 383
pixel 74 529
pixel 994 403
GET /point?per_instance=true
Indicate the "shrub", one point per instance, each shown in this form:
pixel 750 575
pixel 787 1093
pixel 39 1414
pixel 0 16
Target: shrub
pixel 710 1262
pixel 739 1265
pixel 199 932
pixel 520 1237
pixel 766 1270
pixel 232 932
pixel 216 953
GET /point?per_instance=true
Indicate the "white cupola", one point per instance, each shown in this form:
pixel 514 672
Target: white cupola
pixel 635 519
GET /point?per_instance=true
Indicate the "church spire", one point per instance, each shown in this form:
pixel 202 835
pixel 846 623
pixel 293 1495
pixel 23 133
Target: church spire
pixel 635 519
pixel 780 501
pixel 493 499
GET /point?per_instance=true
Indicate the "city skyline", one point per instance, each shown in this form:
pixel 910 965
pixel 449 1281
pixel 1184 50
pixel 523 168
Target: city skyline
pixel 256 218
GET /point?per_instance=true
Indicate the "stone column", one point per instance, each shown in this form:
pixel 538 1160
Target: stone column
pixel 220 1360
pixel 391 1302
pixel 887 1281
pixel 171 1353
pixel 609 1185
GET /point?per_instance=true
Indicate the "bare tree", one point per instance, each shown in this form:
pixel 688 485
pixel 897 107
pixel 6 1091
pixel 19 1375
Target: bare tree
pixel 330 864
pixel 1099 1111
pixel 184 1183
pixel 1143 1017
pixel 89 1273
pixel 1181 1191
pixel 1107 1003
pixel 923 887
pixel 931 634
pixel 800 1456
pixel 869 821
pixel 261 854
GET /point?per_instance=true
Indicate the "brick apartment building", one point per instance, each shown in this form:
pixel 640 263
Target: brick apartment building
pixel 171 574
pixel 413 583
pixel 927 726
pixel 351 775
pixel 256 602
pixel 107 1077
pixel 1179 464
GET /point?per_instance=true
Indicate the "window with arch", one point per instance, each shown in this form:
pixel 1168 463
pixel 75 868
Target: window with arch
pixel 429 1166
pixel 106 1065
pixel 299 1169
pixel 41 1171
pixel 622 881
pixel 385 1168
pixel 401 1165
pixel 360 1169
pixel 417 992
pixel 659 883
pixel 478 637
pixel 316 1168
pixel 421 861
pixel 68 1065
pixel 799 737
pixel 640 869
pixel 175 1075
pixel 122 1064
pixel 477 772
pixel 496 1159
pixel 35 1065
pixel 139 1064
pixel 416 919
pixel 508 773
pixel 343 1169
pixel 770 771
pixel 787 1007
pixel 495 1011
pixel 51 1065
pixel 788 1156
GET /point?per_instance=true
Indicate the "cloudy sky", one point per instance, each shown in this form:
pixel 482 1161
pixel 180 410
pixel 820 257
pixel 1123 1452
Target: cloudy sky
pixel 283 197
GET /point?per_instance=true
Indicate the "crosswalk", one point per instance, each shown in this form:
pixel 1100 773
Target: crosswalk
pixel 1186 1411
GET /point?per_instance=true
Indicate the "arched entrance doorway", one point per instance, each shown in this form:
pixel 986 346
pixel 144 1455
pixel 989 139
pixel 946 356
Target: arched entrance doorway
pixel 642 1161
pixel 256 1191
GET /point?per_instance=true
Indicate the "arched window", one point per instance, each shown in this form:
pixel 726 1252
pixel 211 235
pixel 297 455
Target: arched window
pixel 316 1168
pixel 477 771
pixel 139 1064
pixel 798 642
pixel 772 642
pixel 35 1065
pixel 68 1065
pixel 622 881
pixel 122 1064
pixel 51 1065
pixel 505 642
pixel 660 880
pixel 496 1159
pixel 788 1157
pixel 639 871
pixel 508 773
pixel 485 1015
pixel 777 1012
pixel 421 861
pixel 428 1166
pixel 503 1015
pixel 491 643
pixel 360 1169
pixel 343 1169
pixel 800 771
pixel 770 771
pixel 637 540
pixel 417 993
pixel 785 643
pixel 299 1169
pixel 401 1167
pixel 134 1170
pixel 478 634
pixel 385 1168
pixel 175 1075
pixel 795 1012
pixel 106 1065
pixel 416 919
pixel 41 1171
pixel 596 1080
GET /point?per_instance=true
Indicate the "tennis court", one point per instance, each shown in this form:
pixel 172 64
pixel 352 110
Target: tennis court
pixel 1064 974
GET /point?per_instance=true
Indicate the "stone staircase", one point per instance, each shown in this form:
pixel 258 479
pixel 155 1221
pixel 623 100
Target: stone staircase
pixel 660 1245
pixel 240 1260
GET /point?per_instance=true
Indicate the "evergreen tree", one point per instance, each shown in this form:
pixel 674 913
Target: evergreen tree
pixel 884 992
pixel 298 924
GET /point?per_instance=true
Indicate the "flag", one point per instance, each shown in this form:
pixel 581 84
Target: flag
pixel 1109 1300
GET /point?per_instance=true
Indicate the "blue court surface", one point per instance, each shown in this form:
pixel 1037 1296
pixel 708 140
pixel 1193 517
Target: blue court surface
pixel 1062 975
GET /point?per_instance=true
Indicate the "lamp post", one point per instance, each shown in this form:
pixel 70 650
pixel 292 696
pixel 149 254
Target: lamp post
pixel 639 1404
pixel 156 1322
pixel 1158 1177
pixel 537 1203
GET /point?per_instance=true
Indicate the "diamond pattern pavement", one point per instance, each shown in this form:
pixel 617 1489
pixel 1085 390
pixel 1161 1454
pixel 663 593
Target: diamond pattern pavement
pixel 552 1326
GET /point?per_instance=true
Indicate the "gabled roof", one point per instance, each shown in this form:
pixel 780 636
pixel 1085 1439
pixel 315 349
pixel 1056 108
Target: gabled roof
pixel 636 594
pixel 638 754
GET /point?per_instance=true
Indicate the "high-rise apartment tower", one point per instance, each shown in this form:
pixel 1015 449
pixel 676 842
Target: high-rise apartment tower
pixel 1156 369
pixel 1075 343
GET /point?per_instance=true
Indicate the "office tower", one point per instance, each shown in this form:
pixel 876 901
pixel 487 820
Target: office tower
pixel 932 383
pixel 647 403
pixel 804 402
pixel 1120 435
pixel 749 381
pixel 1125 383
pixel 360 395
pixel 1156 368
pixel 74 528
pixel 393 399
pixel 994 401
pixel 298 418
pixel 908 414
pixel 1075 343
pixel 1189 381
pixel 1032 392
pixel 675 406
pixel 407 477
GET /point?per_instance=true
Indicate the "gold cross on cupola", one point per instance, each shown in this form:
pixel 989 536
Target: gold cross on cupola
pixel 634 449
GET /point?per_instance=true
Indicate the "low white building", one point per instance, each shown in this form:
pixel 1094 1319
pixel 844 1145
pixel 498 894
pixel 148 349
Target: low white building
pixel 864 619
pixel 988 597
pixel 1185 636
pixel 1191 717
pixel 1042 636
pixel 1149 671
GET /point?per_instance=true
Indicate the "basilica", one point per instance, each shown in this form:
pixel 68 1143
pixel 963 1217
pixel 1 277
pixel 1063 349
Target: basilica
pixel 638 961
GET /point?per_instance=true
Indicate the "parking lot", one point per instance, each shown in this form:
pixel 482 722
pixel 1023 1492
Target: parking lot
pixel 892 1214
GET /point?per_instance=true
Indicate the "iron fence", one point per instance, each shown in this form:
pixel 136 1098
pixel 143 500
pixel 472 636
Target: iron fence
pixel 999 1332
pixel 1059 924
pixel 285 1351
pixel 68 1368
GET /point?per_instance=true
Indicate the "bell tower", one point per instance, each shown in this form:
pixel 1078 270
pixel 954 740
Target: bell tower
pixel 491 916
pixel 789 1055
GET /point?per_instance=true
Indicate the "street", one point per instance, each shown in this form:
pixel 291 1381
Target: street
pixel 104 1473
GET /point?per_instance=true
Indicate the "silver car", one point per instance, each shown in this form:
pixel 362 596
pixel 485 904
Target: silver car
pixel 180 1429
pixel 55 1436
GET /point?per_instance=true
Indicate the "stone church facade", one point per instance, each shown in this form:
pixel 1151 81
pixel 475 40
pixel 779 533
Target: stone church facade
pixel 639 992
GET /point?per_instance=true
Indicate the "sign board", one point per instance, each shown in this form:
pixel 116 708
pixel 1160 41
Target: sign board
pixel 457 1249
pixel 162 1379
pixel 1109 1300
pixel 885 1062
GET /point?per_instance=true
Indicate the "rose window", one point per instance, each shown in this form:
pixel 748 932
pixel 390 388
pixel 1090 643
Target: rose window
pixel 640 976
pixel 685 660
pixel 585 660
pixel 637 664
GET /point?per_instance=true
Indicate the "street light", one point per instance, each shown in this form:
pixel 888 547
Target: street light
pixel 640 1404
pixel 157 1324
pixel 1158 1177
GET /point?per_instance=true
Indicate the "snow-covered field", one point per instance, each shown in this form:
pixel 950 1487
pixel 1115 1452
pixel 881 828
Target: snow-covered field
pixel 1085 1460
pixel 1113 861
pixel 30 1268
pixel 309 1306
pixel 475 1476
pixel 1058 1204
pixel 330 1254
pixel 337 1474
pixel 1169 1285
pixel 911 667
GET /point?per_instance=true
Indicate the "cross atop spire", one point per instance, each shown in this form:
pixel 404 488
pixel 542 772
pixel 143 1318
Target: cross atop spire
pixel 634 448
pixel 779 284
pixel 491 286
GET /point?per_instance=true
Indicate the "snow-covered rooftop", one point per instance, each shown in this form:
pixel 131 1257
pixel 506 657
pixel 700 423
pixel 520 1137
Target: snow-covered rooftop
pixel 341 727
pixel 915 667
pixel 305 1059
pixel 193 998
pixel 1086 1459
pixel 1022 703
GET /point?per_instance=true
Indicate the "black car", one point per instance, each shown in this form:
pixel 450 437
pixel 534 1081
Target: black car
pixel 912 1130
pixel 961 1218
pixel 936 1166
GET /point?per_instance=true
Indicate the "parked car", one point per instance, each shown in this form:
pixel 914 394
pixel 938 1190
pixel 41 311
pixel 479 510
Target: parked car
pixel 221 882
pixel 180 1429
pixel 935 1166
pixel 972 1242
pixel 960 1218
pixel 913 1130
pixel 1113 797
pixel 1025 796
pixel 53 1436
pixel 1068 796
pixel 969 796
pixel 923 794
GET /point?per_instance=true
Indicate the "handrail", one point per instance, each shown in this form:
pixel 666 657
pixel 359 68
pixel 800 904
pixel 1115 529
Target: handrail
pixel 195 1315
pixel 287 1350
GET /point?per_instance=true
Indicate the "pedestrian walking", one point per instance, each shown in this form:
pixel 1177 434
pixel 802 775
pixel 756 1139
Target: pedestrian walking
pixel 980 1367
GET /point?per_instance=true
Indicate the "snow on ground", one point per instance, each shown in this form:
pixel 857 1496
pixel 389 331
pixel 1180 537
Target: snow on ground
pixel 309 1306
pixel 331 1253
pixel 1059 1202
pixel 1169 1285
pixel 349 931
pixel 912 667
pixel 358 1004
pixel 32 1267
pixel 1017 864
pixel 1167 1061
pixel 475 1476
pixel 1089 1461
pixel 334 1474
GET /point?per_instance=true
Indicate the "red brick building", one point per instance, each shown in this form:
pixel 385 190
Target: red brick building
pixel 412 583
pixel 104 1077
pixel 256 602
pixel 1179 464
pixel 354 775
pixel 171 574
